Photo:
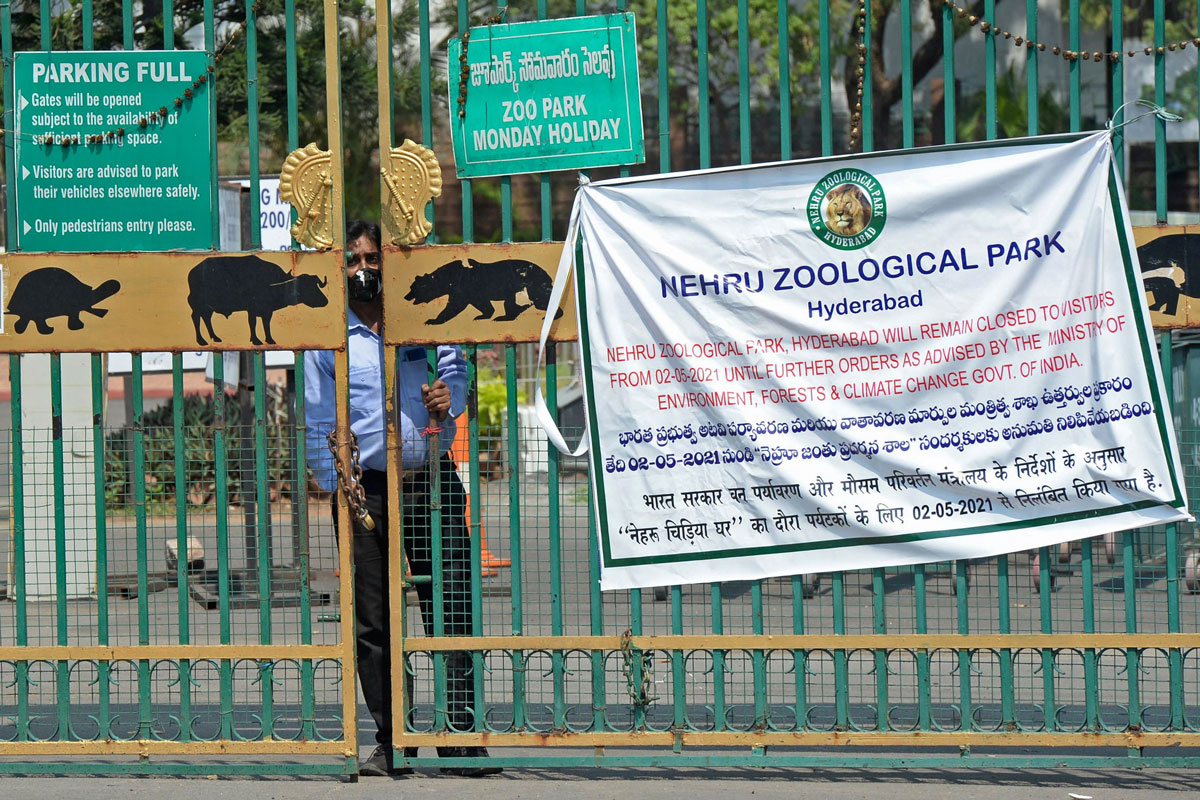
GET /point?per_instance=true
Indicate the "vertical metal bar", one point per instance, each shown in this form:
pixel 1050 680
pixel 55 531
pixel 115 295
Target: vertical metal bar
pixel 544 196
pixel 333 114
pixel 252 125
pixel 46 23
pixel 477 665
pixel 799 657
pixel 1160 125
pixel 964 655
pixel 1008 711
pixel 307 689
pixel 1031 66
pixel 664 100
pixel 678 677
pixel 1116 71
pixel 924 682
pixel 743 11
pixel 1091 683
pixel 266 667
pixel 293 114
pixel 426 74
pixel 103 668
pixel 826 48
pixel 88 36
pixel 1174 655
pixel 989 73
pixel 396 578
pixel 555 547
pixel 841 671
pixel 702 83
pixel 341 371
pixel 596 606
pixel 210 46
pixel 126 25
pixel 1074 74
pixel 1132 654
pixel 720 713
pixel 881 655
pixel 468 219
pixel 636 670
pixel 20 590
pixel 145 714
pixel 949 90
pixel 182 574
pixel 1049 717
pixel 383 71
pixel 62 668
pixel 514 532
pixel 168 24
pixel 514 467
pixel 221 456
pixel 906 82
pixel 441 717
pixel 785 81
pixel 8 123
pixel 758 658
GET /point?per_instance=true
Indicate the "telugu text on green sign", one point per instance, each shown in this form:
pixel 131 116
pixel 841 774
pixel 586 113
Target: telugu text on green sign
pixel 106 158
pixel 547 95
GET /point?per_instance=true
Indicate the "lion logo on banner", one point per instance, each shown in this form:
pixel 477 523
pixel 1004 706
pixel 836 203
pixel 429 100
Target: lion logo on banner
pixel 847 210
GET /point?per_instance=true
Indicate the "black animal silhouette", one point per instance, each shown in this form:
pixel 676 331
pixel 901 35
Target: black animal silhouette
pixel 228 284
pixel 53 292
pixel 481 284
pixel 1170 268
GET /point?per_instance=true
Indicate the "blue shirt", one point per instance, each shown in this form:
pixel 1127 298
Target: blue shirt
pixel 367 402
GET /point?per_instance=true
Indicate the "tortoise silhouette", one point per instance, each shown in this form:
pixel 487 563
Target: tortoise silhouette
pixel 53 292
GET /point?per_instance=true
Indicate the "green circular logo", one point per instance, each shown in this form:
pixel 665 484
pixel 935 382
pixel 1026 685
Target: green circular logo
pixel 847 209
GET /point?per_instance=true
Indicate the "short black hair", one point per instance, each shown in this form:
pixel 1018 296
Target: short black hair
pixel 360 227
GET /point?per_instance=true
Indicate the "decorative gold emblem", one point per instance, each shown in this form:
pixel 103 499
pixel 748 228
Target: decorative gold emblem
pixel 306 181
pixel 413 179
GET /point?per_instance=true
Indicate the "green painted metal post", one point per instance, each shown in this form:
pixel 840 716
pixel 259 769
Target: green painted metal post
pixel 103 667
pixel 62 667
pixel 1174 655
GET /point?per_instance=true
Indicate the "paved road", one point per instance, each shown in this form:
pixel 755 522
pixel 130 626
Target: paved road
pixel 695 784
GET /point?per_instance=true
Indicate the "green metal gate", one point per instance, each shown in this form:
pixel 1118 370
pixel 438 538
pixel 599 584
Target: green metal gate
pixel 171 585
pixel 1091 656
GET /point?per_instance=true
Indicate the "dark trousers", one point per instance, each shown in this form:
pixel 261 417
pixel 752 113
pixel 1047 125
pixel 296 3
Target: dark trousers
pixel 371 601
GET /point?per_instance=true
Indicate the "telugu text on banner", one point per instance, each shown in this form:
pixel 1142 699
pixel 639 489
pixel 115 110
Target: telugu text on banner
pixel 867 361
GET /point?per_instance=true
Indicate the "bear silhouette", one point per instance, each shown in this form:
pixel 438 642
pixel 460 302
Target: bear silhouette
pixel 482 284
pixel 1170 268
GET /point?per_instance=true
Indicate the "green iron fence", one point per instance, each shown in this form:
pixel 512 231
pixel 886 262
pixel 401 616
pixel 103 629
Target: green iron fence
pixel 965 661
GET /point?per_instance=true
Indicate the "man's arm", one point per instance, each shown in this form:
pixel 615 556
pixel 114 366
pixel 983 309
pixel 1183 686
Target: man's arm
pixel 320 399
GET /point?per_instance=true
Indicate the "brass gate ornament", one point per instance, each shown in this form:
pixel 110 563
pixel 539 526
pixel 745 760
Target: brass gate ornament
pixel 306 181
pixel 413 177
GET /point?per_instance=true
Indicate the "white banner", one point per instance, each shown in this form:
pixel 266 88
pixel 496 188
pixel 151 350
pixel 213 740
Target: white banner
pixel 868 361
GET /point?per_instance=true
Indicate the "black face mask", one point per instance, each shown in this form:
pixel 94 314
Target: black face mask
pixel 366 285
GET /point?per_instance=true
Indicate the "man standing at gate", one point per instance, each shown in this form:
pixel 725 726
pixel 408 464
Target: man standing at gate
pixel 423 405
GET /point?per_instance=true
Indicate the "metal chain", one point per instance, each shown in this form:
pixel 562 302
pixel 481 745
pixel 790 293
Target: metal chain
pixel 351 487
pixel 639 691
pixel 464 70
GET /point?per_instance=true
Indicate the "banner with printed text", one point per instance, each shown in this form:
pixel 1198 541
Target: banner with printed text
pixel 868 361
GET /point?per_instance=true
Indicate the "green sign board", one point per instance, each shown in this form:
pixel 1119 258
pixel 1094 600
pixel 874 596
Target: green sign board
pixel 98 167
pixel 547 95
